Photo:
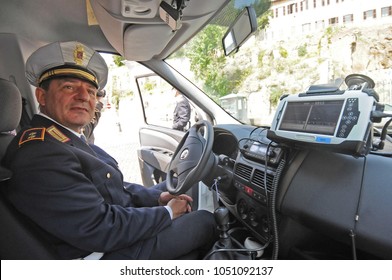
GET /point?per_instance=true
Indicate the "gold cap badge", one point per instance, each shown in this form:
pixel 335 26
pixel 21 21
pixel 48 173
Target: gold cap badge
pixel 79 54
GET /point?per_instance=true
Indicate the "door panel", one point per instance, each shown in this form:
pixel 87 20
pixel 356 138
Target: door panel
pixel 157 146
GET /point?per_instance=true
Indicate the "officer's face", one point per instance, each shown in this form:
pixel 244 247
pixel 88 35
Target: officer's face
pixel 69 101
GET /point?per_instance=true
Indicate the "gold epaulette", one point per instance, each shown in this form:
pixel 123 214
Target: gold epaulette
pixel 57 134
pixel 32 134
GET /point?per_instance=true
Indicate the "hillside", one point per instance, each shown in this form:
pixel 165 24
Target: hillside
pixel 290 66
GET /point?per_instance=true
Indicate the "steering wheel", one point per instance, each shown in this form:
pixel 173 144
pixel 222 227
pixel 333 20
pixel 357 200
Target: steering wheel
pixel 193 158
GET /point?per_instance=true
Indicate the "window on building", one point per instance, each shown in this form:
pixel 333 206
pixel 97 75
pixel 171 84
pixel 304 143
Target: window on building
pixel 386 11
pixel 306 27
pixel 314 3
pixel 290 9
pixel 348 18
pixel 319 24
pixel 334 20
pixel 369 14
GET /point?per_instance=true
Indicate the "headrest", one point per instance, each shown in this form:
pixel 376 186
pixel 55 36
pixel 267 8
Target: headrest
pixel 10 106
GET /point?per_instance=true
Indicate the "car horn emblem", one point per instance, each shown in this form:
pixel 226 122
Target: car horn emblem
pixel 184 154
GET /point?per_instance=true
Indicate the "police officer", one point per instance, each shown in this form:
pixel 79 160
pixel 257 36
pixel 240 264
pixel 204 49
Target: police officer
pixel 182 111
pixel 75 191
pixel 88 130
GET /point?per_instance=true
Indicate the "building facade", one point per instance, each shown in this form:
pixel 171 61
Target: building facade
pixel 294 17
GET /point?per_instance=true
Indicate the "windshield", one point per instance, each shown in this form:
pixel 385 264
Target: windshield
pixel 297 44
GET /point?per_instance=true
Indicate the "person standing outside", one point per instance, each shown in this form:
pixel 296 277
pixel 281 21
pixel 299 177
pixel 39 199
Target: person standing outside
pixel 88 130
pixel 182 111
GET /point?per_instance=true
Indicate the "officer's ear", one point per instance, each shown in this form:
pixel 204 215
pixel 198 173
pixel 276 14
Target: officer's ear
pixel 40 96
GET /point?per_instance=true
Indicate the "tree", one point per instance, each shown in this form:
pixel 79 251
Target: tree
pixel 118 60
pixel 263 11
pixel 207 60
pixel 207 57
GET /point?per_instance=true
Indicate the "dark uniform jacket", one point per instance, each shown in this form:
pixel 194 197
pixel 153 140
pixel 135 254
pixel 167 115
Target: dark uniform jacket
pixel 76 194
pixel 182 113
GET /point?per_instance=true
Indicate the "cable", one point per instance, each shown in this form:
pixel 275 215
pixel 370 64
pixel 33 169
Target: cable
pixel 275 250
pixel 384 132
pixel 265 185
pixel 380 142
pixel 356 218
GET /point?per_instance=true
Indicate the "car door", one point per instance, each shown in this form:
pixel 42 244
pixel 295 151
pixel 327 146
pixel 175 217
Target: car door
pixel 157 139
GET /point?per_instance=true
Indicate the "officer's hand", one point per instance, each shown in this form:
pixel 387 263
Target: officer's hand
pixel 165 197
pixel 179 206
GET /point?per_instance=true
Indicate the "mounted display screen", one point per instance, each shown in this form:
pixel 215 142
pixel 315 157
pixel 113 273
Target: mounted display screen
pixel 337 122
pixel 320 117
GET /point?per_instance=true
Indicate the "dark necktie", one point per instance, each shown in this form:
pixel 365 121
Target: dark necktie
pixel 84 139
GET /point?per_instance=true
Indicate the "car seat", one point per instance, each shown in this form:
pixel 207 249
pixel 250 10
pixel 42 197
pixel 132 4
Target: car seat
pixel 19 239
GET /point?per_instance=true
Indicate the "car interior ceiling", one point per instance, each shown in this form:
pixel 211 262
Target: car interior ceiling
pixel 137 37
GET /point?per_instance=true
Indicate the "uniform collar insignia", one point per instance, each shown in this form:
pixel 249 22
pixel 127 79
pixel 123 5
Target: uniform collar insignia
pixel 32 134
pixel 57 134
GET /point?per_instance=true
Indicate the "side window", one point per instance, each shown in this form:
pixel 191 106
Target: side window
pixel 159 100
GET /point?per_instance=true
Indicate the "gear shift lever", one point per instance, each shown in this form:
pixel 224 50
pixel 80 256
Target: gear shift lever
pixel 221 215
pixel 223 249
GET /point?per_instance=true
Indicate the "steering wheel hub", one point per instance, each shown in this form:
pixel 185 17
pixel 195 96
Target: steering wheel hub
pixel 193 158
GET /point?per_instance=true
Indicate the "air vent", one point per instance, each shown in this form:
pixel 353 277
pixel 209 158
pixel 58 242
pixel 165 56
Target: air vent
pixel 258 179
pixel 243 171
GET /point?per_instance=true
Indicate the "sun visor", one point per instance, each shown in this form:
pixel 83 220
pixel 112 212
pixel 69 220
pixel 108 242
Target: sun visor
pixel 141 43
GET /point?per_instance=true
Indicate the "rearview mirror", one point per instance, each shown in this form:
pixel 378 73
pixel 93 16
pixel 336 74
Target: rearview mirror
pixel 240 30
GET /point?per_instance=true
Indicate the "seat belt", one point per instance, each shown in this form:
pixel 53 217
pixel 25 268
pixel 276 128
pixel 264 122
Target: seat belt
pixel 25 118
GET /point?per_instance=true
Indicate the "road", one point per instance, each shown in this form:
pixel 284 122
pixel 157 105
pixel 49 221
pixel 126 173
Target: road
pixel 121 142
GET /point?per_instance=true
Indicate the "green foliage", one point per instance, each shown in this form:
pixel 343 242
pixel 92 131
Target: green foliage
pixel 150 85
pixel 207 62
pixel 263 20
pixel 260 58
pixel 118 60
pixel 302 51
pixel 117 93
pixel 279 65
pixel 263 11
pixel 275 93
pixel 264 73
pixel 283 52
pixel 207 58
pixel 329 30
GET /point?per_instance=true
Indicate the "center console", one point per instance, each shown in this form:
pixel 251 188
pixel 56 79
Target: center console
pixel 254 175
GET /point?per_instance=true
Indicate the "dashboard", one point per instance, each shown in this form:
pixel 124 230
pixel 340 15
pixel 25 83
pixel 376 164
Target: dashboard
pixel 322 205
